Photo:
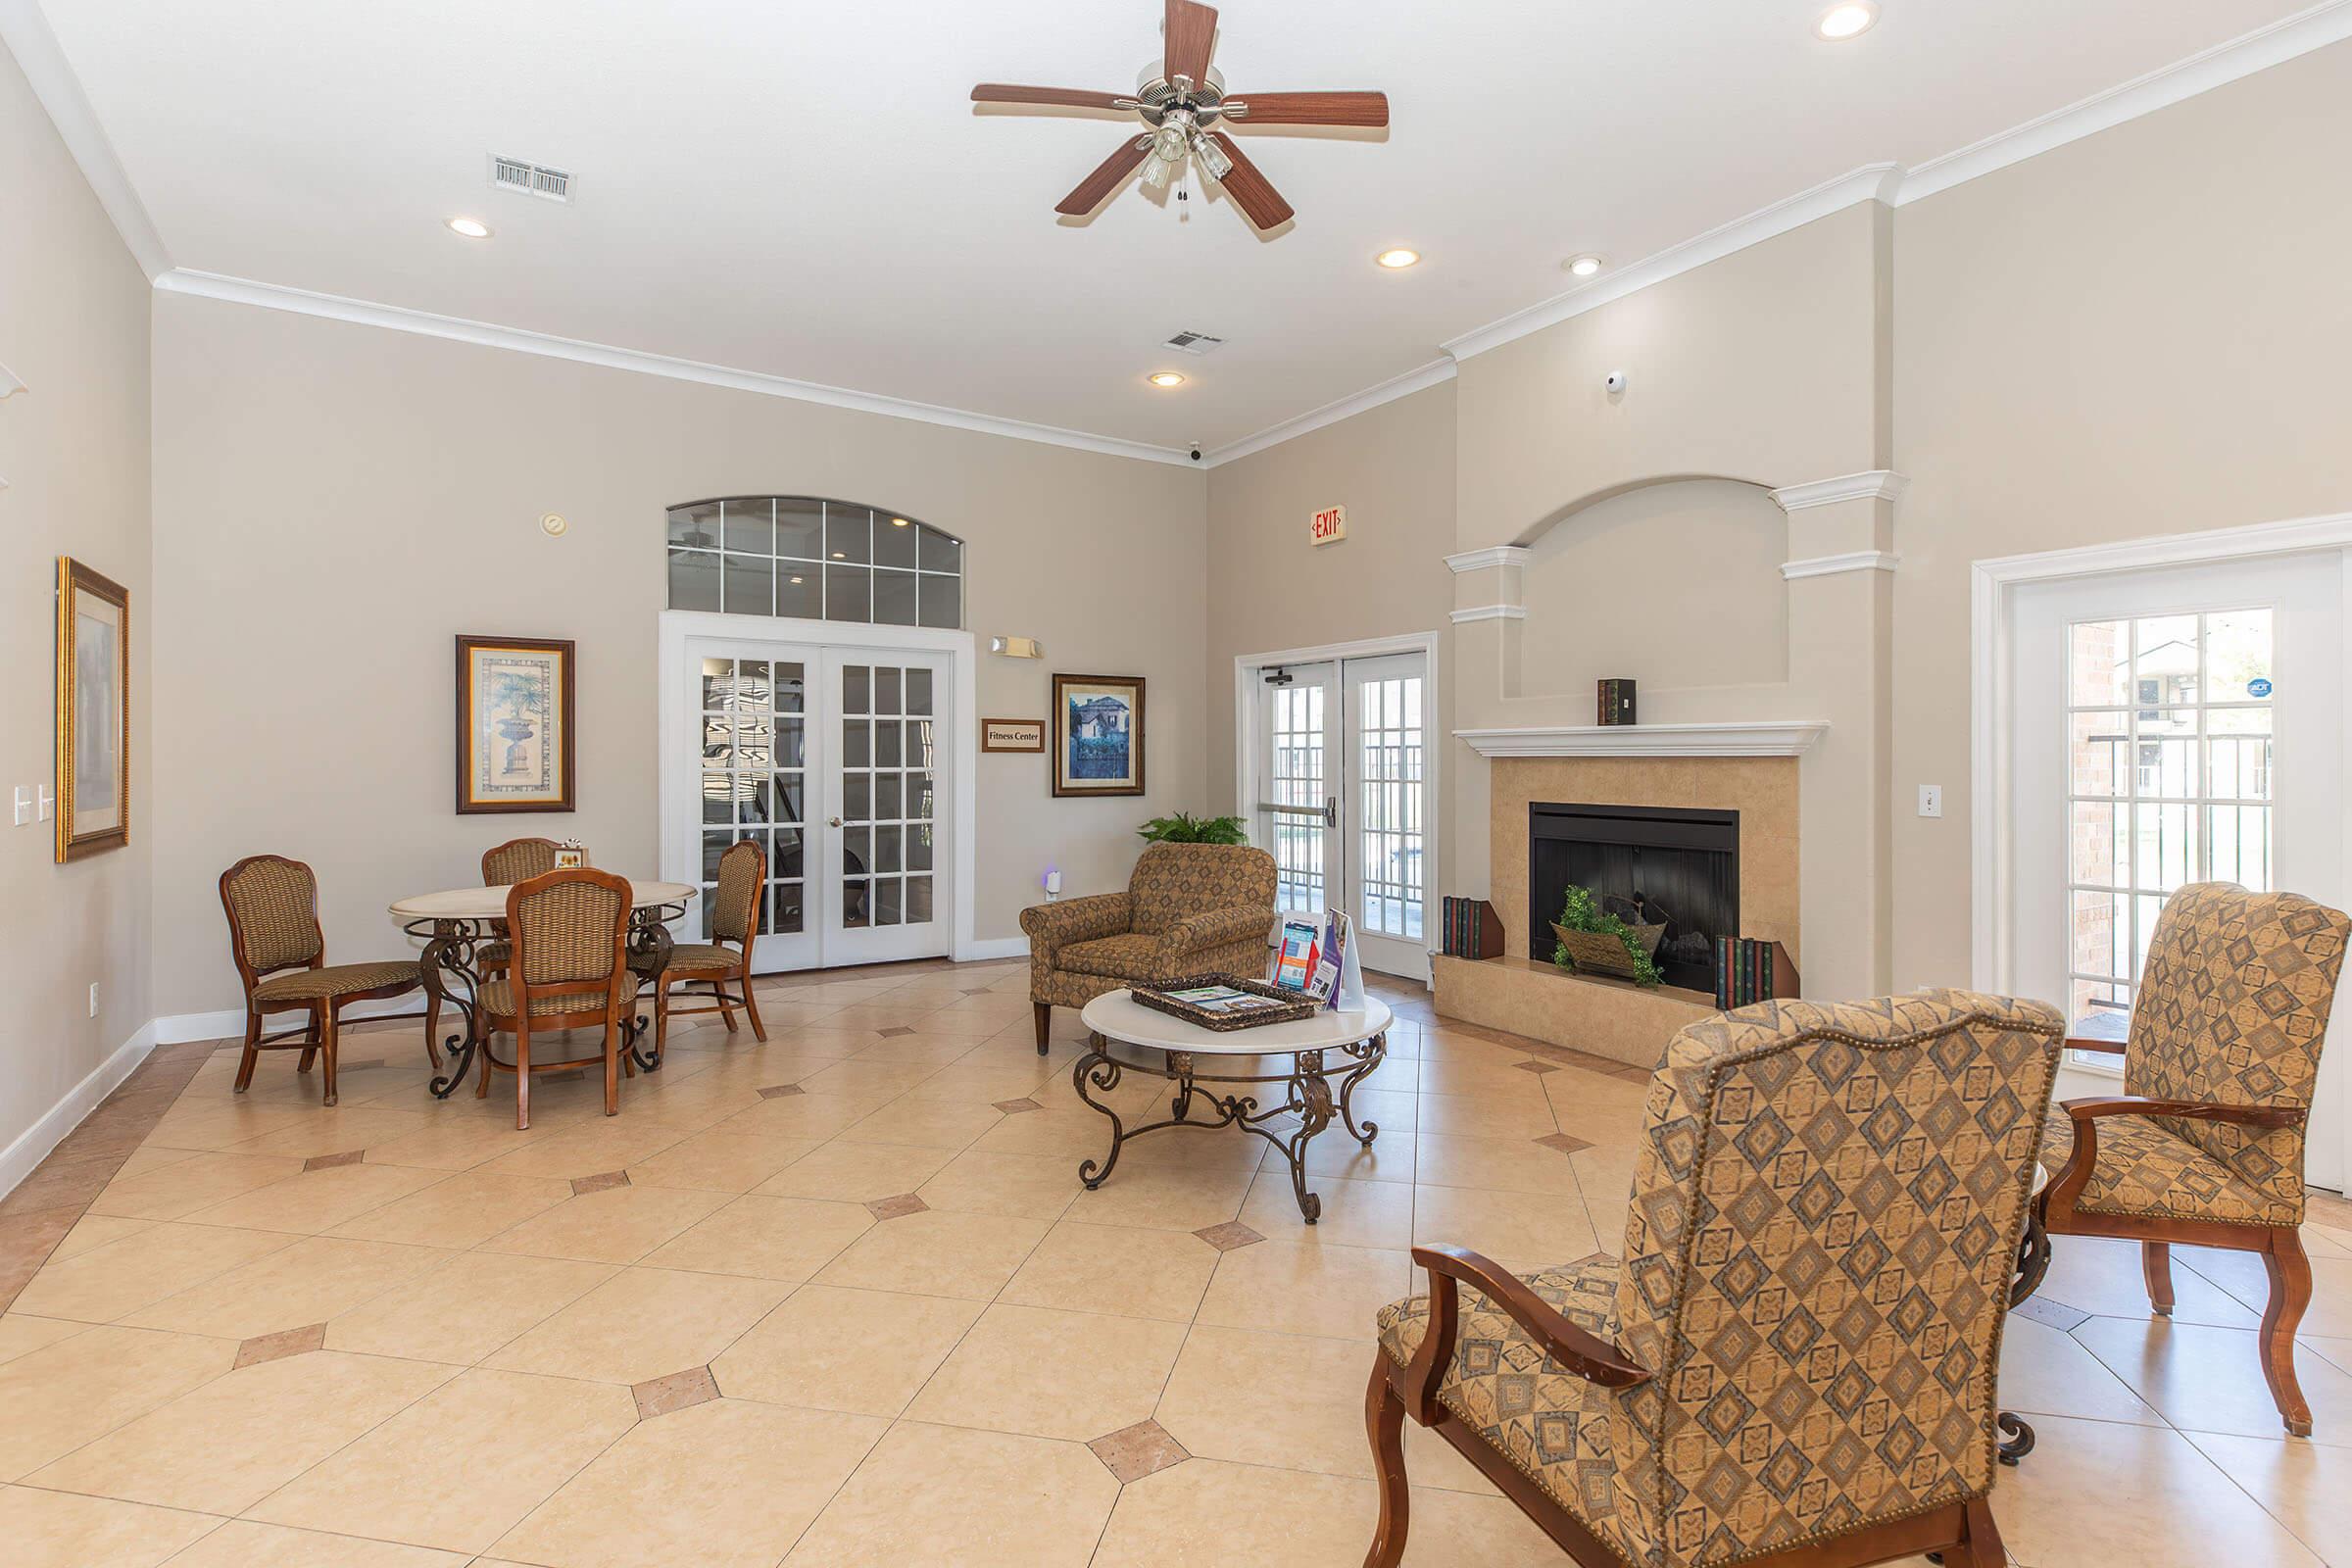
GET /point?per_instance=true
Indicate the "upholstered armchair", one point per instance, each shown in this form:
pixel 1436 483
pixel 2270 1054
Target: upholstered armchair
pixel 2205 1145
pixel 1189 908
pixel 1793 1367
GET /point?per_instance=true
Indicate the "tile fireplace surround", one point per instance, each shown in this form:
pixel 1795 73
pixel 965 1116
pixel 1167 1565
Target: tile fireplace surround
pixel 1524 993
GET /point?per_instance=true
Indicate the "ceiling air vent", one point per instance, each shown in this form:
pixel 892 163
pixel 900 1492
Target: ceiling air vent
pixel 531 179
pixel 1193 343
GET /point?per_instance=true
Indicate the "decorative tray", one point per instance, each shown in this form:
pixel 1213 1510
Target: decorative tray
pixel 1291 1007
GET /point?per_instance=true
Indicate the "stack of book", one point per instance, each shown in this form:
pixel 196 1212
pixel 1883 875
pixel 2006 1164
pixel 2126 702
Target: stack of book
pixel 1616 701
pixel 1472 930
pixel 1752 969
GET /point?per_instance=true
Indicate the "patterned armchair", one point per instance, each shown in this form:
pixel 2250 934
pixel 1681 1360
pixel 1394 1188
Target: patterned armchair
pixel 1793 1367
pixel 2205 1143
pixel 1189 908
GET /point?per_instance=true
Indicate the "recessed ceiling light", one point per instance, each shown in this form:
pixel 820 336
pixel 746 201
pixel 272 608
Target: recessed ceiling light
pixel 1398 259
pixel 1166 378
pixel 1583 265
pixel 898 523
pixel 840 555
pixel 799 579
pixel 471 228
pixel 1850 20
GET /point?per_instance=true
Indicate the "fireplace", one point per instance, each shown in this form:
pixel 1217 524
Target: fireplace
pixel 1682 866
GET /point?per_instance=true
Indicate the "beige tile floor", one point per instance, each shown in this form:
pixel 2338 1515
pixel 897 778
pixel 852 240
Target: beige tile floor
pixel 839 1300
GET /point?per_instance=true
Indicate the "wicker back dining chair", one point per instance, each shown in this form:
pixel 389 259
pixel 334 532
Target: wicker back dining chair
pixel 503 865
pixel 734 910
pixel 571 970
pixel 280 952
pixel 1794 1364
pixel 2204 1146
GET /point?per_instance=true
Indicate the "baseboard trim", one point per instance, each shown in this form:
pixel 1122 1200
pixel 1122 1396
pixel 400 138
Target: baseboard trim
pixel 982 950
pixel 33 1145
pixel 179 1028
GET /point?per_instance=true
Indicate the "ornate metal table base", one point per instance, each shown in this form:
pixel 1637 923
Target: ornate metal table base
pixel 2033 1262
pixel 1306 1094
pixel 449 952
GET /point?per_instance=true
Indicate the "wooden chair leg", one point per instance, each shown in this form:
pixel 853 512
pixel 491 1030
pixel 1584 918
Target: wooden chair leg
pixel 2290 1294
pixel 726 1009
pixel 328 1032
pixel 253 1054
pixel 1044 1012
pixel 613 1045
pixel 481 1082
pixel 309 1050
pixel 2156 1262
pixel 1384 1424
pixel 661 1017
pixel 522 1080
pixel 750 1007
pixel 1982 1547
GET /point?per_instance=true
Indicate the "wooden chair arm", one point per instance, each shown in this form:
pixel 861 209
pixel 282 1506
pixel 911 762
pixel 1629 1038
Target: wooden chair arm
pixel 2095 1106
pixel 2109 1048
pixel 1586 1355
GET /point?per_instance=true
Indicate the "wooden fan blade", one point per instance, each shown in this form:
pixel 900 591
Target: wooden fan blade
pixel 997 92
pixel 1311 108
pixel 1109 176
pixel 1192 29
pixel 1250 190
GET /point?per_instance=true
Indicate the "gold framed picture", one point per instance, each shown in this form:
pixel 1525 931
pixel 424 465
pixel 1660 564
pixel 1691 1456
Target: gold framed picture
pixel 515 731
pixel 94 711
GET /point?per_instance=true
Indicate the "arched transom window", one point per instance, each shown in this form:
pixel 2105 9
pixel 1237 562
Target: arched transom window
pixel 816 559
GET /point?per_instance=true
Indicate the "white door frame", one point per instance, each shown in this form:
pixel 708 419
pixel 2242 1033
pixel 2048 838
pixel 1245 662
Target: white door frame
pixel 676 721
pixel 1246 749
pixel 1991 586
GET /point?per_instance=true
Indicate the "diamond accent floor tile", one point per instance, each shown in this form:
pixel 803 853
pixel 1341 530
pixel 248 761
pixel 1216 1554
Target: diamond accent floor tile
pixel 598 1182
pixel 894 1032
pixel 679 1391
pixel 350 1156
pixel 1013 1107
pixel 277 1347
pixel 897 1207
pixel 2055 1315
pixel 1565 1142
pixel 1134 1452
pixel 1228 1236
pixel 1534 1066
pixel 774 1089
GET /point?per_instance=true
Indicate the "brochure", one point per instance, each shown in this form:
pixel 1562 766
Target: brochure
pixel 1316 958
pixel 1224 999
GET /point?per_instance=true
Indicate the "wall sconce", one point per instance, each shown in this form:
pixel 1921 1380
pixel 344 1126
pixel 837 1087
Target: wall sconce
pixel 9 382
pixel 1017 647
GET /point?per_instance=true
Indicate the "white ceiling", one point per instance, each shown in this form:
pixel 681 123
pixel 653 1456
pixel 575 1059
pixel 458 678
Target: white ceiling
pixel 804 190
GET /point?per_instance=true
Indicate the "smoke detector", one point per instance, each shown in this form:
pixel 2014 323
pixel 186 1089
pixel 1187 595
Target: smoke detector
pixel 1193 343
pixel 531 179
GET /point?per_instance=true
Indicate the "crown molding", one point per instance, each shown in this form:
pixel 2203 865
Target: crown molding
pixel 1770 739
pixel 25 34
pixel 1346 408
pixel 1870 183
pixel 1462 618
pixel 1492 556
pixel 1832 565
pixel 485 334
pixel 1876 484
pixel 2225 63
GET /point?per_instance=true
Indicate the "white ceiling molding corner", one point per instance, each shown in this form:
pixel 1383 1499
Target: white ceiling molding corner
pixel 1477 613
pixel 1872 182
pixel 1492 556
pixel 25 34
pixel 1873 484
pixel 1346 408
pixel 486 334
pixel 2285 40
pixel 1765 738
pixel 1832 565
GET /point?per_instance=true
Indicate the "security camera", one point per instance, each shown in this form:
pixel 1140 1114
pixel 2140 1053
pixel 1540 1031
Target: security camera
pixel 1196 454
pixel 1614 382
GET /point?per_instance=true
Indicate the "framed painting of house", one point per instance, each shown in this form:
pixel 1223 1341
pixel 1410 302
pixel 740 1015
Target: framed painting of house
pixel 94 711
pixel 515 724
pixel 1098 735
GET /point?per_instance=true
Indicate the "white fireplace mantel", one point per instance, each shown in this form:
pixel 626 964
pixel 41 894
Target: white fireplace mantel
pixel 1765 738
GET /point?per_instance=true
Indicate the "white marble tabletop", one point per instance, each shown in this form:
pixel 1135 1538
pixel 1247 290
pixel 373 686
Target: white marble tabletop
pixel 490 902
pixel 1119 1016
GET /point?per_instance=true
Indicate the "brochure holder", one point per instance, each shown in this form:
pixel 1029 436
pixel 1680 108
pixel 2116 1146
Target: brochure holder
pixel 1316 958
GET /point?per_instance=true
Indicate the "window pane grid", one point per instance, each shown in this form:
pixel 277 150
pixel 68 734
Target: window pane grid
pixel 1299 779
pixel 755 779
pixel 889 795
pixel 1390 828
pixel 813 560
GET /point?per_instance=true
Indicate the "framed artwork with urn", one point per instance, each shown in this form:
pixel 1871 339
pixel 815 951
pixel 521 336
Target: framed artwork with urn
pixel 94 711
pixel 515 724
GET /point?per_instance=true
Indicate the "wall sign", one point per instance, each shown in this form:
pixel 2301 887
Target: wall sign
pixel 1013 734
pixel 1328 526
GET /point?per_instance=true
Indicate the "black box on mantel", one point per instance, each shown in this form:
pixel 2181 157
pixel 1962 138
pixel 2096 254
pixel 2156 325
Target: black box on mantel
pixel 1616 701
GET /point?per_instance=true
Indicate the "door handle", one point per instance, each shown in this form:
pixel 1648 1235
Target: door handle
pixel 836 822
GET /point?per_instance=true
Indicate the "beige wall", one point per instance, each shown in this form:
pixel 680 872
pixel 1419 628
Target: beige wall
pixel 73 450
pixel 335 501
pixel 2148 331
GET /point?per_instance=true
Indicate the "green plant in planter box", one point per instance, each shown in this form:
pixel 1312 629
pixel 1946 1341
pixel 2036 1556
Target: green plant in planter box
pixel 1186 828
pixel 1582 911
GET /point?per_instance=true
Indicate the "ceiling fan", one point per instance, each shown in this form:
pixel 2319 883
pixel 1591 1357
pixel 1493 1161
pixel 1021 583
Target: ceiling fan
pixel 1182 99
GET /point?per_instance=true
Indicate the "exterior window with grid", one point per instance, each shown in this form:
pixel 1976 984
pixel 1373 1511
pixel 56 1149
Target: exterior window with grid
pixel 2169 751
pixel 809 559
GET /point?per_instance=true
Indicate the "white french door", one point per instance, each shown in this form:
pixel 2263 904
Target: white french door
pixel 1343 795
pixel 835 762
pixel 2173 725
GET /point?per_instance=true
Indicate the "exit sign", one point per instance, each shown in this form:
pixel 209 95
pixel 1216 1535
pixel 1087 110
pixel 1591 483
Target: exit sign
pixel 1330 526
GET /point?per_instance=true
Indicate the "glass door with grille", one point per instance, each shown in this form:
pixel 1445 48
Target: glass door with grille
pixel 753 776
pixel 885 715
pixel 1297 812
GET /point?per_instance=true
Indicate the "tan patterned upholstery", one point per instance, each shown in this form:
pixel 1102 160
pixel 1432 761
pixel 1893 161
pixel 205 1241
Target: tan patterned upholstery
pixel 735 903
pixel 273 905
pixel 700 955
pixel 2232 1008
pixel 498 999
pixel 566 932
pixel 1189 908
pixel 336 980
pixel 1825 1217
pixel 517 860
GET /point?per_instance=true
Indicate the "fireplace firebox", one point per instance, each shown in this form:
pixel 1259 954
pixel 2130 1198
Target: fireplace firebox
pixel 1646 863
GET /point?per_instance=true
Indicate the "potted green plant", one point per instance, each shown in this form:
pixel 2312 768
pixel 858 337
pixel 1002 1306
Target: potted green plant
pixel 1590 938
pixel 1182 827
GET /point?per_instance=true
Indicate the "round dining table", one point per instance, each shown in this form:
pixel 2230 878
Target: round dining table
pixel 455 924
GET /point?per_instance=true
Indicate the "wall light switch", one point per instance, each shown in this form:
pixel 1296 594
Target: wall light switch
pixel 1931 799
pixel 24 806
pixel 93 999
pixel 48 803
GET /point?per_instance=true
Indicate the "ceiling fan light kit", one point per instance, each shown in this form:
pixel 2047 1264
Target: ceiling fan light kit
pixel 1181 101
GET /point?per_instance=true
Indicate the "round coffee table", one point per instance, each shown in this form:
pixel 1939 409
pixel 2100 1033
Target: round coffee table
pixel 1118 1019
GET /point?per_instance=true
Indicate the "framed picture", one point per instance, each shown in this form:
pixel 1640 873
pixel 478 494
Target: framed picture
pixel 94 711
pixel 515 734
pixel 1098 735
pixel 1013 734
